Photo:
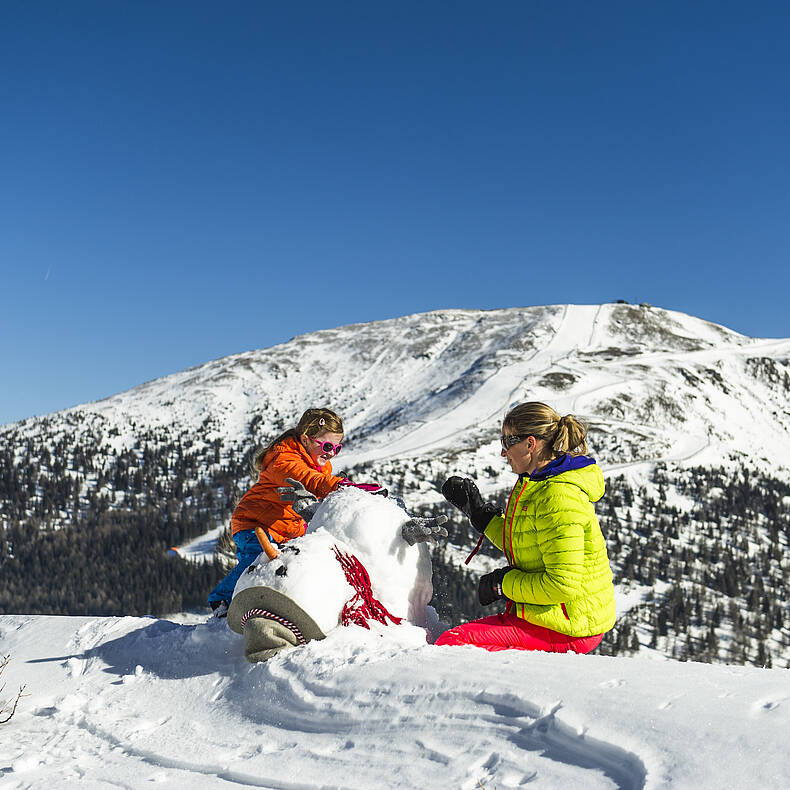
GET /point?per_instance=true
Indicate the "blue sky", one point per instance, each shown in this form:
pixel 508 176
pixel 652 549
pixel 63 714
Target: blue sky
pixel 186 180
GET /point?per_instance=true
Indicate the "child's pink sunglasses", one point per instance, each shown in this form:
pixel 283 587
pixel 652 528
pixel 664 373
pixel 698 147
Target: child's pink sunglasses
pixel 328 447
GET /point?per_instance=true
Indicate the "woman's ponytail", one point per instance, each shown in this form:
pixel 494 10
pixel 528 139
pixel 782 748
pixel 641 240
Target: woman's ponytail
pixel 562 434
pixel 570 436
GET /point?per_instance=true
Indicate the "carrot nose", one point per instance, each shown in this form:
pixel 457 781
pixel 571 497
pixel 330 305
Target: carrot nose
pixel 268 549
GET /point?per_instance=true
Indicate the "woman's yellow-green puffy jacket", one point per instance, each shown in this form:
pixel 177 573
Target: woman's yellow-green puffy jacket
pixel 562 579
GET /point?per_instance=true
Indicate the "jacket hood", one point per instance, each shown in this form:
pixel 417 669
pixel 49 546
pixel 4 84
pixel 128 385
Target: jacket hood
pixel 579 470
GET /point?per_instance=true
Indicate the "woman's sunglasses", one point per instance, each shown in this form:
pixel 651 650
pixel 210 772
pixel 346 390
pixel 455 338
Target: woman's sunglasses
pixel 509 441
pixel 328 447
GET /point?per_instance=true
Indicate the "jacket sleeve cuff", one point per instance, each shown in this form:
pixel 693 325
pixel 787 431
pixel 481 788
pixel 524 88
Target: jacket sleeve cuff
pixel 482 518
pixel 493 530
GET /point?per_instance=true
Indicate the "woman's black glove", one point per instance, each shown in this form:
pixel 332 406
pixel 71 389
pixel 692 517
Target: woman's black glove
pixel 462 492
pixel 489 589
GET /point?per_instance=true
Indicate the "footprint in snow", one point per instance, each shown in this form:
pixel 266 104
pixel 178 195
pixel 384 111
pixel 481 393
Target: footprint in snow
pixel 767 706
pixel 547 734
pixel 670 702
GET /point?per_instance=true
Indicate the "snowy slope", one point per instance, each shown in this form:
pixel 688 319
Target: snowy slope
pixel 138 702
pixel 653 384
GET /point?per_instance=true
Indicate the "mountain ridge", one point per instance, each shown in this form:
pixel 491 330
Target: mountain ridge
pixel 408 375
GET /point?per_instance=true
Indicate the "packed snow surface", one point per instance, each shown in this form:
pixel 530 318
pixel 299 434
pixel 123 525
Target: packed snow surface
pixel 126 702
pixel 135 702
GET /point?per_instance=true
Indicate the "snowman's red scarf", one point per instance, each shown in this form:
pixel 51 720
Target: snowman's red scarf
pixel 363 606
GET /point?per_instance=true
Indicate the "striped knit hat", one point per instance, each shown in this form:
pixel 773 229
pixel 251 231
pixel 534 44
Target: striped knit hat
pixel 270 622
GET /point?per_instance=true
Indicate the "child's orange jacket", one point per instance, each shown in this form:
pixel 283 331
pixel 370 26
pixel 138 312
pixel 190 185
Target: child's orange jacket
pixel 261 506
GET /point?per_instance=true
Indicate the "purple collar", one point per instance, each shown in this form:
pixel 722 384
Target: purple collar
pixel 565 463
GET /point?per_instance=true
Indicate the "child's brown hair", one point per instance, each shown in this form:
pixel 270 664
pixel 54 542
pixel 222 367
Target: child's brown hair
pixel 311 423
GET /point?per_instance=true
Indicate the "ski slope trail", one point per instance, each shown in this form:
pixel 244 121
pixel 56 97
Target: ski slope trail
pixel 580 335
pixel 489 403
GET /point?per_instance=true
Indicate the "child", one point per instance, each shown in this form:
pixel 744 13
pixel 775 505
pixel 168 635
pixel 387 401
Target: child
pixel 261 518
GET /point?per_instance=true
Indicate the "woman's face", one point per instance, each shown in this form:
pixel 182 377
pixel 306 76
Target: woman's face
pixel 314 445
pixel 523 456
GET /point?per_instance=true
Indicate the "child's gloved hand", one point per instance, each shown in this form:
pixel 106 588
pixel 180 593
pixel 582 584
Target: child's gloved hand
pixel 299 497
pixel 421 530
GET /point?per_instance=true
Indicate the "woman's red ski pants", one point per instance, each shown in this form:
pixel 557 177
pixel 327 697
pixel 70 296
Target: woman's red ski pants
pixel 508 632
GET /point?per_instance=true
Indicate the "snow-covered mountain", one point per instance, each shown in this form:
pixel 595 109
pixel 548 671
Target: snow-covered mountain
pixel 667 396
pixel 653 384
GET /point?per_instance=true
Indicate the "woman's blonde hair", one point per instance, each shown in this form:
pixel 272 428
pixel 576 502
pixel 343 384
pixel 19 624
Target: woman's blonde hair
pixel 562 434
pixel 311 423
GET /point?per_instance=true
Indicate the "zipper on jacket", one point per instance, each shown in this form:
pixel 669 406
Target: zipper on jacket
pixel 565 612
pixel 512 516
pixel 504 525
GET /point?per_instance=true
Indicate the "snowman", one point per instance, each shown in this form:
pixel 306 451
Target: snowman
pixel 362 558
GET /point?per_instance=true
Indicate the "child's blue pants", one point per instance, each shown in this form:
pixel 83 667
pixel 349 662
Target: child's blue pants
pixel 247 549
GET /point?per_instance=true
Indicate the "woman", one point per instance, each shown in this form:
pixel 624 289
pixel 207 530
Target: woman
pixel 263 516
pixel 558 583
